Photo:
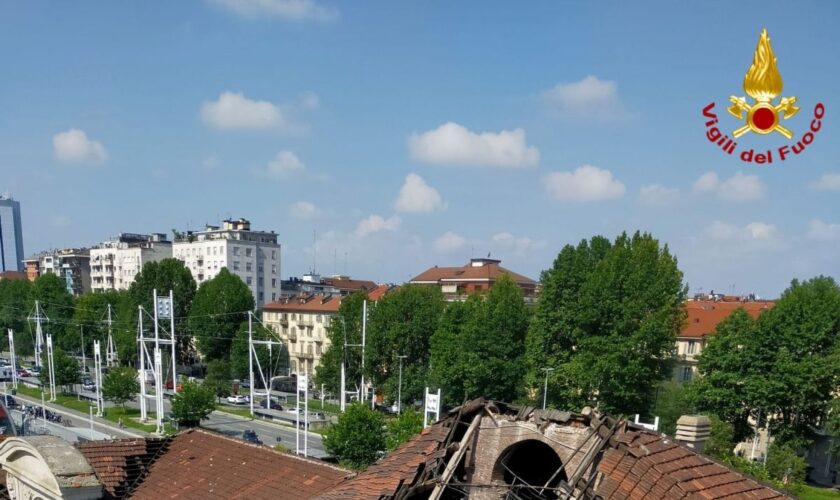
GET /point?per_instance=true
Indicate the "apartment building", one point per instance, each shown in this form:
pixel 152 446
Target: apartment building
pixel 71 264
pixel 11 235
pixel 478 276
pixel 254 256
pixel 301 322
pixel 702 317
pixel 115 263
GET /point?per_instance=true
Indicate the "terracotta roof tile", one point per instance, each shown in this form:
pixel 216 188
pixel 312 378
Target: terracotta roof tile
pixel 325 304
pixel 703 316
pixel 468 272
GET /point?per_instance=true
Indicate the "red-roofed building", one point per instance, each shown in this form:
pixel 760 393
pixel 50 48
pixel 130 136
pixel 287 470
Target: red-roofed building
pixel 702 318
pixel 478 276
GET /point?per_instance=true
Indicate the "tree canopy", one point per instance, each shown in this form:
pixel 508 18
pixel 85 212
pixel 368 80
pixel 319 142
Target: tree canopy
pixel 14 307
pixel 358 439
pixel 606 323
pixel 121 385
pixel 219 307
pixel 347 322
pixel 193 403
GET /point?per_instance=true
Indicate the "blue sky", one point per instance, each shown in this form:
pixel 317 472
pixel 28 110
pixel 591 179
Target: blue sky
pixel 416 134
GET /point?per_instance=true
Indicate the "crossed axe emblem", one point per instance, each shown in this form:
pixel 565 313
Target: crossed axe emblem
pixel 763 116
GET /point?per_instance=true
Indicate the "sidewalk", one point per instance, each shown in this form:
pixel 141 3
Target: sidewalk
pixel 81 420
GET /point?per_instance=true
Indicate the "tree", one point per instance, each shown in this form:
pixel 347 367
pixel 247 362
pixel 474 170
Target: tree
pixel 121 385
pixel 274 362
pixel 218 378
pixel 66 369
pixel 219 307
pixel 721 441
pixel 478 347
pixel 346 326
pixel 193 403
pixel 358 439
pixel 673 400
pixel 403 428
pixel 785 465
pixel 402 324
pixel 14 307
pixel 165 275
pixel 606 322
pixel 55 302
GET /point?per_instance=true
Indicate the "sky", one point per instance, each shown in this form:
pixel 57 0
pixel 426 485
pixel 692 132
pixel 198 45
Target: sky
pixel 381 138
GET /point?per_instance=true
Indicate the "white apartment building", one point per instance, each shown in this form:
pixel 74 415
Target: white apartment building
pixel 115 263
pixel 254 256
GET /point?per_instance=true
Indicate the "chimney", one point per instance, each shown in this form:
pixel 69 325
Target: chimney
pixel 693 431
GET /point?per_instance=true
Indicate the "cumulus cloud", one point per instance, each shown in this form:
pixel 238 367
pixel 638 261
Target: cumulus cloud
pixel 449 242
pixel 454 144
pixel 585 183
pixel 290 10
pixel 823 231
pixel 753 231
pixel 304 210
pixel 284 165
pixel 73 146
pixel 376 223
pixel 232 110
pixel 590 98
pixel 739 188
pixel 506 243
pixel 658 195
pixel 828 182
pixel 417 196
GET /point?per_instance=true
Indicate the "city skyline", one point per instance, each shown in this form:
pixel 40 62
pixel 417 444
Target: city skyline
pixel 405 137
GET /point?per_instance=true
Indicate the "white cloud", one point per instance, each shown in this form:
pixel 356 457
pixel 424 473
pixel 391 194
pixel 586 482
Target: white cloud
pixel 232 110
pixel 376 223
pixel 828 182
pixel 284 165
pixel 74 146
pixel 754 231
pixel 449 242
pixel 658 195
pixel 454 144
pixel 739 188
pixel 589 98
pixel 304 210
pixel 507 244
pixel 417 196
pixel 585 183
pixel 823 231
pixel 291 10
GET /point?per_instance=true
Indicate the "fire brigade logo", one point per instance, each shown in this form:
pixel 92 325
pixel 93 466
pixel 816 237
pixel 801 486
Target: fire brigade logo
pixel 760 113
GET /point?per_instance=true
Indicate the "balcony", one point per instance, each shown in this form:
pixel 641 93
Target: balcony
pixel 307 322
pixel 292 336
pixel 305 355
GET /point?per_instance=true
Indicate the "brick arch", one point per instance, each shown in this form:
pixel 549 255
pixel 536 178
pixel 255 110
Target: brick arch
pixel 533 461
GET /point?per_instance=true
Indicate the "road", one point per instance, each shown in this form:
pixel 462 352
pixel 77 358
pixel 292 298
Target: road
pixel 80 420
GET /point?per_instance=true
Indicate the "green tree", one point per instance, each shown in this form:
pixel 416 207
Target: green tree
pixel 721 440
pixel 121 385
pixel 192 404
pixel 358 439
pixel 219 307
pixel 478 347
pixel 66 369
pixel 218 378
pixel 14 307
pixel 55 302
pixel 673 400
pixel 273 362
pixel 88 317
pixel 166 275
pixel 345 326
pixel 402 324
pixel 403 428
pixel 785 465
pixel 606 322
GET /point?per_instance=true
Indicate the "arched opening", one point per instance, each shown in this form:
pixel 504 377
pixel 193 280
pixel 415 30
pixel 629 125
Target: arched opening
pixel 530 463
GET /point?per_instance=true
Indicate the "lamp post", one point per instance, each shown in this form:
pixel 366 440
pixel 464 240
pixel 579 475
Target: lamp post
pixel 399 387
pixel 545 387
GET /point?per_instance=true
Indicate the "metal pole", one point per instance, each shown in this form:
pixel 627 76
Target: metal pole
pixel 43 409
pixel 51 367
pixel 110 353
pixel 545 387
pixel 97 365
pixel 91 421
pixel 84 359
pixel 399 387
pixel 12 357
pixel 172 333
pixel 364 330
pixel 251 353
pixel 141 342
pixel 306 419
pixel 342 403
pixel 425 408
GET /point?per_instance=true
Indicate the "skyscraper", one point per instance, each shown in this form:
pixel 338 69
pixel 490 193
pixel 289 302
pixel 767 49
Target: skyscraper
pixel 11 235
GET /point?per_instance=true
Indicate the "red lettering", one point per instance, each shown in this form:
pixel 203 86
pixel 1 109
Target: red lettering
pixel 783 151
pixel 819 110
pixel 808 138
pixel 817 128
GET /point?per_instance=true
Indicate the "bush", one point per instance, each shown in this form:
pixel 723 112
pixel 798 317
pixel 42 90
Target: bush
pixel 358 439
pixel 193 404
pixel 402 428
pixel 785 465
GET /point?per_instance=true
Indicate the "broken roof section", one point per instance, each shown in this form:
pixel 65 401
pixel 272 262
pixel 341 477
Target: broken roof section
pixel 486 449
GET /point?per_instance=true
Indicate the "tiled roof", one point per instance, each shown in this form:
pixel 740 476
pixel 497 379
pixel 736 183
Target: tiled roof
pixel 118 464
pixel 646 465
pixel 487 272
pixel 200 464
pixel 380 291
pixel 306 303
pixel 347 284
pixel 703 316
pixel 399 467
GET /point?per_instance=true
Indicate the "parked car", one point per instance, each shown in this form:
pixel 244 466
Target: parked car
pixel 88 385
pixel 23 372
pixel 168 386
pixel 270 404
pixel 238 399
pixel 35 371
pixel 10 401
pixel 251 436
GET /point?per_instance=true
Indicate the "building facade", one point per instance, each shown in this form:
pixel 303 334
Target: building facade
pixel 702 317
pixel 254 256
pixel 71 264
pixel 114 264
pixel 11 235
pixel 301 322
pixel 478 276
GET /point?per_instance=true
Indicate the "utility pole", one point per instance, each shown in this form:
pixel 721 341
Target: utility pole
pixel 399 387
pixel 84 358
pixel 343 403
pixel 141 343
pixel 38 316
pixel 254 359
pixel 545 387
pixel 12 357
pixel 110 350
pixel 97 364
pixel 51 366
pixel 362 390
pixel 172 335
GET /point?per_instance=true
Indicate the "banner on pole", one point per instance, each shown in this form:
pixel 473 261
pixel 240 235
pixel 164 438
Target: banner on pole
pixel 431 406
pixel 164 308
pixel 302 382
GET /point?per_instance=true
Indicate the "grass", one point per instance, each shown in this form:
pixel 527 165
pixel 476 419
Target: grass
pixel 815 493
pixel 242 412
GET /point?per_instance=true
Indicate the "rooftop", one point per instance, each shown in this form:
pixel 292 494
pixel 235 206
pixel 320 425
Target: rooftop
pixel 475 270
pixel 703 316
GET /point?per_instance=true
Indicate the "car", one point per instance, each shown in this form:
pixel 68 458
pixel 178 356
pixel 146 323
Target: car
pixel 10 401
pixel 238 399
pixel 88 385
pixel 168 386
pixel 23 372
pixel 251 436
pixel 35 371
pixel 270 404
pixel 294 410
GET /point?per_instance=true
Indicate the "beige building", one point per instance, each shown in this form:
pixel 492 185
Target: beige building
pixel 478 276
pixel 301 322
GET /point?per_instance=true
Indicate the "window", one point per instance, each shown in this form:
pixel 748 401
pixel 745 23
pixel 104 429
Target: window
pixel 273 269
pixel 273 296
pixel 692 346
pixel 274 255
pixel 261 297
pixel 248 252
pixel 260 281
pixel 248 281
pixel 273 282
pixel 686 374
pixel 248 266
pixel 318 318
pixel 318 349
pixel 236 265
pixel 235 250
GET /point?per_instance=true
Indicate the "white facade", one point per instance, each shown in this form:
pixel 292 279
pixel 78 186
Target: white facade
pixel 114 264
pixel 254 256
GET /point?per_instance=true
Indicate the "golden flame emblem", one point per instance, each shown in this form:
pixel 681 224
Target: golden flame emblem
pixel 763 82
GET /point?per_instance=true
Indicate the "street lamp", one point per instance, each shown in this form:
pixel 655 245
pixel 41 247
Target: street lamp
pixel 545 387
pixel 399 387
